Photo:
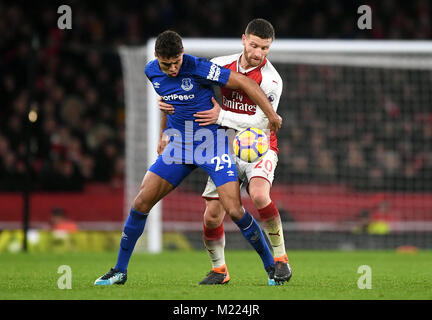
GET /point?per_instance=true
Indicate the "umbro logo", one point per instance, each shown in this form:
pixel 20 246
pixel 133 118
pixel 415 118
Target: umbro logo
pixel 230 173
pixel 156 85
pixel 124 235
pixel 255 236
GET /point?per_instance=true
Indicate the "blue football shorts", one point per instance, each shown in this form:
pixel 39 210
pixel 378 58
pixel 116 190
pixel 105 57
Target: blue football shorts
pixel 220 167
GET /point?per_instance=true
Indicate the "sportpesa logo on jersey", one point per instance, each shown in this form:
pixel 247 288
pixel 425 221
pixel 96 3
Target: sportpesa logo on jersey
pixel 214 72
pixel 181 97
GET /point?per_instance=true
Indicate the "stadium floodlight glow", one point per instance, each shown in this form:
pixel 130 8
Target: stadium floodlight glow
pixel 143 115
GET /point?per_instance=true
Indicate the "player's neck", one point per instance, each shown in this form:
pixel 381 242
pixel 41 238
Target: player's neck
pixel 243 63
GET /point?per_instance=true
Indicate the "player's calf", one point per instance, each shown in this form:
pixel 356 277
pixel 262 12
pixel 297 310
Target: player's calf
pixel 214 242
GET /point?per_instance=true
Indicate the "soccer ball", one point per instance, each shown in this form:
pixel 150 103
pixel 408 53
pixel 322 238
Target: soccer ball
pixel 251 144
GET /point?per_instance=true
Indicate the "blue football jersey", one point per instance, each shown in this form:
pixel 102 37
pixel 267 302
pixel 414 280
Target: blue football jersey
pixel 190 91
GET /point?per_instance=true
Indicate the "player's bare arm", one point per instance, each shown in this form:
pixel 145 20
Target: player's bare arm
pixel 163 138
pixel 210 116
pixel 204 118
pixel 253 90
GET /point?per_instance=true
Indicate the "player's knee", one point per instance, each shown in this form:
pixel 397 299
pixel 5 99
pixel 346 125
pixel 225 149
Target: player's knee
pixel 259 198
pixel 211 222
pixel 235 212
pixel 214 214
pixel 141 204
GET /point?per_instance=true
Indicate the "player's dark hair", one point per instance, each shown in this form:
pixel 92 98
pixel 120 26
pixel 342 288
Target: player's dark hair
pixel 168 44
pixel 260 28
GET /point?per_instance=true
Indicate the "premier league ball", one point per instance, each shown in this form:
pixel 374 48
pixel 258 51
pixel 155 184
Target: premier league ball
pixel 251 144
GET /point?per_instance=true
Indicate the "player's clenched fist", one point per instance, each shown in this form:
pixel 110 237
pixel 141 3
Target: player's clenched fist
pixel 275 122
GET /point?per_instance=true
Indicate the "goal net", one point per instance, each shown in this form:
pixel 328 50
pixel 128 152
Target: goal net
pixel 355 160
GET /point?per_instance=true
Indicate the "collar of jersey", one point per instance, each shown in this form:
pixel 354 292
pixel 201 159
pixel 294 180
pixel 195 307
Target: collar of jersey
pixel 251 69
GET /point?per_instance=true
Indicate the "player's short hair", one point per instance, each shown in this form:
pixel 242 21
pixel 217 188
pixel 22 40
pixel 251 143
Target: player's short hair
pixel 261 28
pixel 168 44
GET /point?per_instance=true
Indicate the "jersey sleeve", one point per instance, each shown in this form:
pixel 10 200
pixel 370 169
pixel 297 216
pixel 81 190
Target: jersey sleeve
pixel 237 121
pixel 213 73
pixel 218 60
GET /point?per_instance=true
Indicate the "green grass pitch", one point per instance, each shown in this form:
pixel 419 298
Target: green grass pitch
pixel 174 275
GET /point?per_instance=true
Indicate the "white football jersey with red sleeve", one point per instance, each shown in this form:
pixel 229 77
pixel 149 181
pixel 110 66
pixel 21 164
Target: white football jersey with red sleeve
pixel 238 110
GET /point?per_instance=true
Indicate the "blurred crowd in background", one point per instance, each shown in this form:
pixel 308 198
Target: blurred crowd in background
pixel 370 128
pixel 79 135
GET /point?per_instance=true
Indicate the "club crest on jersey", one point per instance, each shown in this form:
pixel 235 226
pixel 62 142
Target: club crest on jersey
pixel 187 84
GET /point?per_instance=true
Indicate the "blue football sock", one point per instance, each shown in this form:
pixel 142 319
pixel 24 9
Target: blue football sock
pixel 132 230
pixel 254 235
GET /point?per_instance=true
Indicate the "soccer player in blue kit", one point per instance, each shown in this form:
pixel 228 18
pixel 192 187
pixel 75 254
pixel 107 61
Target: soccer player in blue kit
pixel 186 82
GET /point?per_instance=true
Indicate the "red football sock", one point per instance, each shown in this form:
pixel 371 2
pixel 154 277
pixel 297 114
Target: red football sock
pixel 214 241
pixel 272 226
pixel 268 212
pixel 213 233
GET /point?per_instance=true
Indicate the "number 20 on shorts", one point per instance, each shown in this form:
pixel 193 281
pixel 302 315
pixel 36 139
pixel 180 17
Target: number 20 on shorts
pixel 267 165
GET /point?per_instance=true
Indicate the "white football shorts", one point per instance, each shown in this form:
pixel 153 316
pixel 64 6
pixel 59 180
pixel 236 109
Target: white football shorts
pixel 263 168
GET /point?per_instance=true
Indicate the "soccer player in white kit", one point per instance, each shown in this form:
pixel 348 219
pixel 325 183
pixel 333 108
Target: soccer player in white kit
pixel 240 112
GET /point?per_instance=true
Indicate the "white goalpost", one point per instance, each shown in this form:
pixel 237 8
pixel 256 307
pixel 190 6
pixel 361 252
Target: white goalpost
pixel 351 101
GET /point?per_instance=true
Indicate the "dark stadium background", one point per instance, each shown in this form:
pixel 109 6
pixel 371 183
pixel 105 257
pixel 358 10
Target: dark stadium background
pixel 77 145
